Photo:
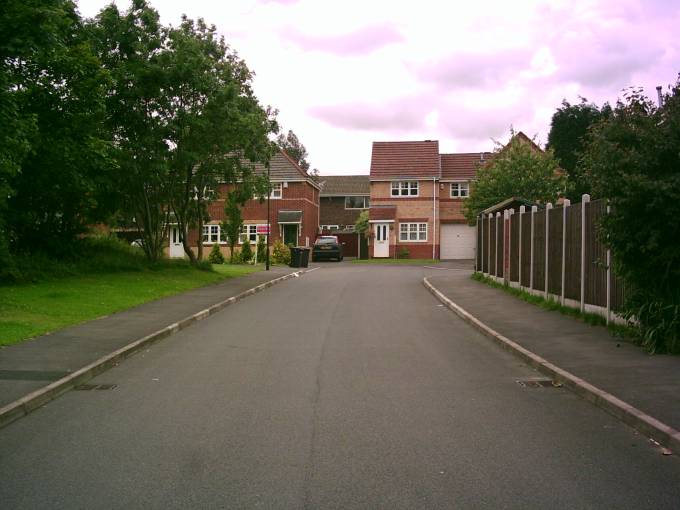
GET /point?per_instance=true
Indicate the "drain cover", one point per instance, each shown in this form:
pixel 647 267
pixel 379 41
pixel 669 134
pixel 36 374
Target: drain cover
pixel 89 387
pixel 538 383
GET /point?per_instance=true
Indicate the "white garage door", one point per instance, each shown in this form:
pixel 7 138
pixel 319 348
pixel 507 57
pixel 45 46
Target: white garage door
pixel 457 242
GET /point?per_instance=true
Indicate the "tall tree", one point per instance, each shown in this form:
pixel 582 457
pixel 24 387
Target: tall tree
pixel 518 169
pixel 568 128
pixel 128 45
pixel 216 126
pixel 58 167
pixel 294 148
pixel 632 159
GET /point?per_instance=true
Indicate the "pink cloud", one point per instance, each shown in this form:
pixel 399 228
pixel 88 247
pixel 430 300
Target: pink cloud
pixel 470 70
pixel 360 42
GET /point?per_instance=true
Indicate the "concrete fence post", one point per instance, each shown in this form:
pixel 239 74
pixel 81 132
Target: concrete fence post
pixel 534 209
pixel 609 280
pixel 584 200
pixel 548 208
pixel 565 206
pixel 522 210
pixel 480 237
pixel 495 262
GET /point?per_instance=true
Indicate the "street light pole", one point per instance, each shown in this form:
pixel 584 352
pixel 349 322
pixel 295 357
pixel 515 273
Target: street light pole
pixel 269 223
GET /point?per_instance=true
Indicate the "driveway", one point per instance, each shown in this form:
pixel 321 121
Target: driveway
pixel 350 387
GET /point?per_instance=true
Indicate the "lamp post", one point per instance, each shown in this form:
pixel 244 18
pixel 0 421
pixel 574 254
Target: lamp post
pixel 269 223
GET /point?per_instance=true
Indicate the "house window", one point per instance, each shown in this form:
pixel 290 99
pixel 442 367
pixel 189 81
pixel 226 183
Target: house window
pixel 356 202
pixel 211 234
pixel 277 190
pixel 330 227
pixel 460 189
pixel 413 232
pixel 349 228
pixel 405 189
pixel 249 232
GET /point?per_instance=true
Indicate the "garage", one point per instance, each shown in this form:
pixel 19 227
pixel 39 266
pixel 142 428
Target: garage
pixel 457 241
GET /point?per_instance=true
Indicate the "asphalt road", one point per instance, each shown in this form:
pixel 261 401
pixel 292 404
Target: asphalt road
pixel 350 387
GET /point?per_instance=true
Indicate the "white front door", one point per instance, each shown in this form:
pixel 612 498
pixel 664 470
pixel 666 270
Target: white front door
pixel 176 248
pixel 381 244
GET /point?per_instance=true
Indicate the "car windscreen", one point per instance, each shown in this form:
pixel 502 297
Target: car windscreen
pixel 326 240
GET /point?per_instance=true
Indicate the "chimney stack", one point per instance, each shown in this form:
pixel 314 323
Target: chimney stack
pixel 658 95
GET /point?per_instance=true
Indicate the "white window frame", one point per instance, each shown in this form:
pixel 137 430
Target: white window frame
pixel 250 229
pixel 349 228
pixel 461 186
pixel 404 189
pixel 212 234
pixel 330 227
pixel 277 191
pixel 413 232
pixel 365 199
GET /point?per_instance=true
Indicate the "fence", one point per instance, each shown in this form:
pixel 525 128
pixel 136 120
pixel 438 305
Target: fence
pixel 554 252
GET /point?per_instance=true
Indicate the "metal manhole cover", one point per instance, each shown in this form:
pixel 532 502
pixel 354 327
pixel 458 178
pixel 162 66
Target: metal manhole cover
pixel 538 383
pixel 89 387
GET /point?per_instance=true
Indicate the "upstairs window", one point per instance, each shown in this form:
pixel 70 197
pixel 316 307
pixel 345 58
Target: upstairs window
pixel 405 188
pixel 277 190
pixel 356 202
pixel 460 189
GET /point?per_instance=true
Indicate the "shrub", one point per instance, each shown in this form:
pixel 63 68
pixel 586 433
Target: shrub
pixel 235 257
pixel 215 256
pixel 261 249
pixel 280 253
pixel 246 252
pixel 403 253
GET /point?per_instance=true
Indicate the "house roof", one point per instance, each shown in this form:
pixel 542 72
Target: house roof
pixel 343 185
pixel 382 212
pixel 283 168
pixel 463 165
pixel 405 159
pixel 289 217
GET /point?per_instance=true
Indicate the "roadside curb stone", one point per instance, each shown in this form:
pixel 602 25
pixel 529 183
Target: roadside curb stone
pixel 649 426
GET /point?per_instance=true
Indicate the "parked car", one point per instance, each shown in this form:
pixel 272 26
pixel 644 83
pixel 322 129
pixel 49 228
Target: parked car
pixel 327 247
pixel 137 243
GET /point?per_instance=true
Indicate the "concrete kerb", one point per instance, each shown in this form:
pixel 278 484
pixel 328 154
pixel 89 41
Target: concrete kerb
pixel 28 403
pixel 649 426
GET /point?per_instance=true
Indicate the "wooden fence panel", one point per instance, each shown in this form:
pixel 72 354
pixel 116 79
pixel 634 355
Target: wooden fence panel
pixel 478 252
pixel 485 241
pixel 539 250
pixel 596 256
pixel 572 281
pixel 617 293
pixel 555 251
pixel 492 247
pixel 514 248
pixel 526 248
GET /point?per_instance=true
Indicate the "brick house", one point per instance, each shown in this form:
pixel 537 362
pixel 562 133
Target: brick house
pixel 416 200
pixel 343 197
pixel 294 209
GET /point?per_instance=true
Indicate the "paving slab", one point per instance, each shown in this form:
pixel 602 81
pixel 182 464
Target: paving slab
pixel 650 383
pixel 33 364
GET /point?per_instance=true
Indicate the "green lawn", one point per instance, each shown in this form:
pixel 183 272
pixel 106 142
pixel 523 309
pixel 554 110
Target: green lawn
pixel 29 310
pixel 398 262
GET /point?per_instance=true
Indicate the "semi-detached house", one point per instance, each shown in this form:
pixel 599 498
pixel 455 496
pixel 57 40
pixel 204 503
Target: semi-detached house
pixel 416 200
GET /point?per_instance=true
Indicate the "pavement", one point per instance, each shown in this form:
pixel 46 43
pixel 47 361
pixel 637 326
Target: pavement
pixel 649 383
pixel 34 364
pixel 350 387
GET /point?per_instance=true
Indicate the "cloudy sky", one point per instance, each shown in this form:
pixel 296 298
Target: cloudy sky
pixel 343 74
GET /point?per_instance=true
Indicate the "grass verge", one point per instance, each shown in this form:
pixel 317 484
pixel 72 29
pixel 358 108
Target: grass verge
pixel 593 319
pixel 111 278
pixel 398 262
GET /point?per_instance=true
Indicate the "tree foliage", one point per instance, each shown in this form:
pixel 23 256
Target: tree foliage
pixel 517 169
pixel 632 159
pixel 294 148
pixel 568 129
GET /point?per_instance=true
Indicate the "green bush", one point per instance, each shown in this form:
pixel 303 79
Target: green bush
pixel 280 253
pixel 235 257
pixel 246 252
pixel 261 249
pixel 215 256
pixel 403 253
pixel 632 159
